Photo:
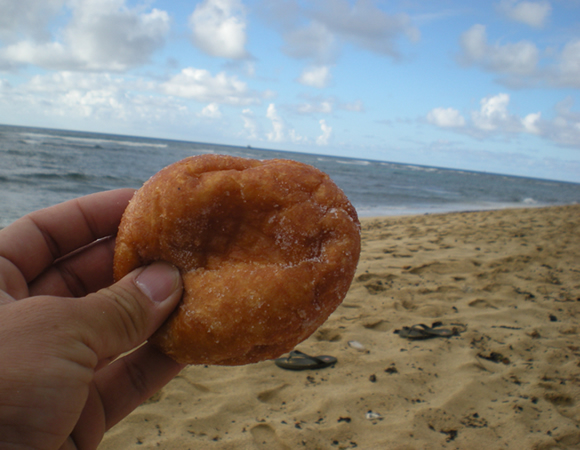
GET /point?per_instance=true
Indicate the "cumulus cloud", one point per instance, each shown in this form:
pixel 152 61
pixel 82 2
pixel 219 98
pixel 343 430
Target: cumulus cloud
pixel 277 133
pixel 493 119
pixel 314 41
pixel 565 127
pixel 200 85
pixel 568 68
pixel 318 76
pixel 211 111
pixel 92 96
pixel 365 25
pixel 520 58
pixel 331 23
pixel 326 133
pixel 102 35
pixel 534 14
pixel 219 28
pixel 27 18
pixel 316 30
pixel 519 63
pixel 446 118
pixel 493 114
pixel 531 123
pixel 250 124
pixel 280 131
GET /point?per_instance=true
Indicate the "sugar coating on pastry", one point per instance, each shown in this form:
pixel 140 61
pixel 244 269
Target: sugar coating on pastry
pixel 267 251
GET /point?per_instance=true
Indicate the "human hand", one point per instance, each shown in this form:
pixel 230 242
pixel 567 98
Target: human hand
pixel 62 323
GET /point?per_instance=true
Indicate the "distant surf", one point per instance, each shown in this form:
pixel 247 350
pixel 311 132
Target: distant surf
pixel 42 167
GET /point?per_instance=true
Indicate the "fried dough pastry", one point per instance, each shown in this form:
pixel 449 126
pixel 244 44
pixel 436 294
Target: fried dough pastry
pixel 266 249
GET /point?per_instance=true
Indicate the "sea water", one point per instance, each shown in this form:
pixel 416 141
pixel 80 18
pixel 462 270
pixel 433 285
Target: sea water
pixel 43 167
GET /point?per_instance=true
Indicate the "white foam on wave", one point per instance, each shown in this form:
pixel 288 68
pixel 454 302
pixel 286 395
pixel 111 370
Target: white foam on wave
pixel 353 162
pixel 95 141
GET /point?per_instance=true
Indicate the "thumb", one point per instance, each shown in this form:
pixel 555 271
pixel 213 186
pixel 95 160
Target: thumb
pixel 127 313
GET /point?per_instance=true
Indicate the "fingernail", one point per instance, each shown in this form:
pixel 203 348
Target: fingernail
pixel 158 281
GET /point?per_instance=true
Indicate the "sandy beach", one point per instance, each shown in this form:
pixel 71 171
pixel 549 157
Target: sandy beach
pixel 507 282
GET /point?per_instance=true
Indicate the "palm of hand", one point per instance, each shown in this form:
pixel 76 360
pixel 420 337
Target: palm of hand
pixel 56 390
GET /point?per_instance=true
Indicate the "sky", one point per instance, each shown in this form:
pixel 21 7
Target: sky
pixel 489 86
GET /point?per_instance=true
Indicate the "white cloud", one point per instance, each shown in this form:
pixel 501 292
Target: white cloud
pixel 445 117
pixel 27 18
pixel 531 122
pixel 250 124
pixel 102 35
pixel 565 127
pixel 219 28
pixel 211 111
pixel 534 14
pixel 365 25
pixel 493 120
pixel 317 30
pixel 277 133
pixel 326 133
pixel 296 138
pixel 96 97
pixel 568 70
pixel 318 76
pixel 314 41
pixel 519 62
pixel 492 114
pixel 200 85
pixel 520 58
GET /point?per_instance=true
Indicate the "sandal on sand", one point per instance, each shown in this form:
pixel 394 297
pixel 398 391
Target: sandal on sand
pixel 301 361
pixel 422 331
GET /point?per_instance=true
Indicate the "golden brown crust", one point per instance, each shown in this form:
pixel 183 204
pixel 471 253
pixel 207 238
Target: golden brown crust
pixel 267 251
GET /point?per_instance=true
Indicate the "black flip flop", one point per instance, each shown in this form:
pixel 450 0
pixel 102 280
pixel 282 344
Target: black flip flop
pixel 297 360
pixel 422 331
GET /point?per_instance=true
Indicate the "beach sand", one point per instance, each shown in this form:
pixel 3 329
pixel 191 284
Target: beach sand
pixel 508 281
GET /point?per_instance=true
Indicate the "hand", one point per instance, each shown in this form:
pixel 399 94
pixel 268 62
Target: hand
pixel 62 323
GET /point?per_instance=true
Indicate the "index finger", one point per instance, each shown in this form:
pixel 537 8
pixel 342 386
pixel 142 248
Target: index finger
pixel 35 241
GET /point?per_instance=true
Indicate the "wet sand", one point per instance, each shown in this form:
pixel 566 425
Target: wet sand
pixel 507 281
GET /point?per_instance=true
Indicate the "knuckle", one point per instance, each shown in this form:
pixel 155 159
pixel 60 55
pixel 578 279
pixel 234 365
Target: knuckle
pixel 129 318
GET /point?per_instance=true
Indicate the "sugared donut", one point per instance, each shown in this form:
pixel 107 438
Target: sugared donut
pixel 266 249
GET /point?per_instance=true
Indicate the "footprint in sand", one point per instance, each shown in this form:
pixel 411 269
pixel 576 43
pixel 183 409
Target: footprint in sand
pixel 377 325
pixel 327 335
pixel 265 437
pixel 375 287
pixel 271 395
pixel 375 283
pixel 481 303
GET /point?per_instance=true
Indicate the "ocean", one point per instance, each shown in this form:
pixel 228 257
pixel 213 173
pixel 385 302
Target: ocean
pixel 43 167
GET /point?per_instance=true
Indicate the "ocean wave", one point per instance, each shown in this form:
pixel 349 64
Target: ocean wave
pixel 67 178
pixel 354 162
pixel 92 142
pixel 421 168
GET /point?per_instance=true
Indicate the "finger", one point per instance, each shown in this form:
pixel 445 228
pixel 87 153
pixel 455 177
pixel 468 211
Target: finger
pixel 123 386
pixel 131 380
pixel 79 274
pixel 116 319
pixel 11 280
pixel 35 241
pixel 5 298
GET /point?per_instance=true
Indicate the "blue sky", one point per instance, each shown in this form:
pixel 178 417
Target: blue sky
pixel 487 86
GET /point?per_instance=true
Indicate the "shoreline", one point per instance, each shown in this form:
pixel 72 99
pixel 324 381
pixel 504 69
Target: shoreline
pixel 507 279
pixel 401 212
